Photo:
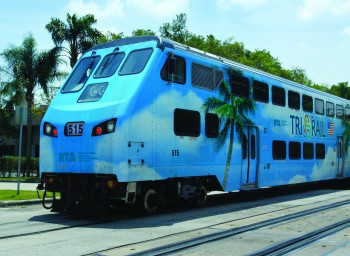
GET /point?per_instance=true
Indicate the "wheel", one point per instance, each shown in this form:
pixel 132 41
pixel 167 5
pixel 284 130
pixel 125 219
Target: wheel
pixel 202 196
pixel 150 201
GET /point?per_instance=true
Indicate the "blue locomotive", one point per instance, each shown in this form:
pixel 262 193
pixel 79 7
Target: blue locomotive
pixel 142 120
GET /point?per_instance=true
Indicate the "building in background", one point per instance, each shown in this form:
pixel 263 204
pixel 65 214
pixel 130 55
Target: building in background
pixel 9 142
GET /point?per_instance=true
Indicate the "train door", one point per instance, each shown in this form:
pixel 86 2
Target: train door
pixel 250 156
pixel 340 157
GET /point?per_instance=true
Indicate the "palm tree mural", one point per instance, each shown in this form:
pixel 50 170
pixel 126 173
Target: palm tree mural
pixel 233 114
pixel 346 135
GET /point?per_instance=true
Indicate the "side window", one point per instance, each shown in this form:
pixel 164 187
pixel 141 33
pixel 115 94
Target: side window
pixel 219 77
pixel 109 65
pixel 319 106
pixel 308 150
pixel 307 103
pixel 81 74
pixel 260 91
pixel 177 65
pixel 211 125
pixel 252 146
pixel 278 96
pixel 206 77
pixel 186 122
pixel 240 85
pixel 293 100
pixel 244 147
pixel 278 150
pixel 294 150
pixel 340 111
pixel 330 109
pixel 135 62
pixel 347 113
pixel 320 151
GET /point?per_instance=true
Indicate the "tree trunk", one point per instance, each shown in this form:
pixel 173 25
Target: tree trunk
pixel 229 156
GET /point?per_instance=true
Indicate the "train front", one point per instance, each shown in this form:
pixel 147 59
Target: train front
pixel 81 143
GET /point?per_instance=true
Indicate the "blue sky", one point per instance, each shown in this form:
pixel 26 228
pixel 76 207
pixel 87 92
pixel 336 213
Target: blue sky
pixel 311 34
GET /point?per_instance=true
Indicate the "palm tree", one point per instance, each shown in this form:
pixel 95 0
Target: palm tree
pixel 78 33
pixel 232 112
pixel 27 70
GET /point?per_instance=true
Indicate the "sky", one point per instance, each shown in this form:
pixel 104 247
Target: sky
pixel 310 34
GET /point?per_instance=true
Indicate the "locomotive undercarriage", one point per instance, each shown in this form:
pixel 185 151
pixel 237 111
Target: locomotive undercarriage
pixel 98 193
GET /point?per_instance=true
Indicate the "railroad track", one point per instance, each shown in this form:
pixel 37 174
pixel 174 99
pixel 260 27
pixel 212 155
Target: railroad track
pixel 304 240
pixel 277 249
pixel 240 219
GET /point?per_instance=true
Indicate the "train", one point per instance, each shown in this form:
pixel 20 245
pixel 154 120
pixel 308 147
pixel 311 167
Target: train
pixel 146 120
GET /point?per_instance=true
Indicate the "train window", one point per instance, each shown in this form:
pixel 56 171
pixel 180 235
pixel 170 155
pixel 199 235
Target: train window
pixel 319 106
pixel 347 113
pixel 211 125
pixel 136 61
pixel 260 91
pixel 81 74
pixel 329 109
pixel 219 77
pixel 278 150
pixel 294 150
pixel 252 147
pixel 320 151
pixel 109 64
pixel 307 103
pixel 278 96
pixel 202 76
pixel 244 147
pixel 179 73
pixel 308 150
pixel 340 111
pixel 240 85
pixel 293 100
pixel 186 122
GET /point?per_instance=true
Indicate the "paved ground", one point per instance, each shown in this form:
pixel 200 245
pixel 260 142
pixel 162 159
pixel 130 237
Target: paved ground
pixel 13 186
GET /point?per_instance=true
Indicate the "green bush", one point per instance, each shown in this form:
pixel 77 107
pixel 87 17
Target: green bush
pixel 9 166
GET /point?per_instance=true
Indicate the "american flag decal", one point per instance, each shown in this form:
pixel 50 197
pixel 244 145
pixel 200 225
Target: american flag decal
pixel 330 128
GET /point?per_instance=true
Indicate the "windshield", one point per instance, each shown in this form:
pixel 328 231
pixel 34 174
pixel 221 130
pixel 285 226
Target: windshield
pixel 81 74
pixel 136 61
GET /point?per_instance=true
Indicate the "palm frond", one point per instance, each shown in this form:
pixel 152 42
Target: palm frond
pixel 212 104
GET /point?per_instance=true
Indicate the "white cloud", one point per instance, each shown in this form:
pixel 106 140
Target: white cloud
pixel 100 9
pixel 346 31
pixel 314 8
pixel 225 4
pixel 160 9
pixel 325 170
pixel 297 179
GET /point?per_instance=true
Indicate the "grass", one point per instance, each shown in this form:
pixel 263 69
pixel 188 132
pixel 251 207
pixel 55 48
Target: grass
pixel 9 195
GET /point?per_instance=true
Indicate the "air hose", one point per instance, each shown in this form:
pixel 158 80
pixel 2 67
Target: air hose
pixel 53 200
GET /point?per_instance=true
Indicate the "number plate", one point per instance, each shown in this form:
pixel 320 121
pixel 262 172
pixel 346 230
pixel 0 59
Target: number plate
pixel 74 129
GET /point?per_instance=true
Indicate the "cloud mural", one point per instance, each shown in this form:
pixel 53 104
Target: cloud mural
pixel 324 169
pixel 297 179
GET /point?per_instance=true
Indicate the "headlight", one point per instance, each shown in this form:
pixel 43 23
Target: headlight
pixel 93 92
pixel 104 128
pixel 50 130
pixel 111 126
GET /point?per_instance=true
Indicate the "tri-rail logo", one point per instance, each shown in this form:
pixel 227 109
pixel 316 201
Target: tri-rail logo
pixel 71 157
pixel 308 127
